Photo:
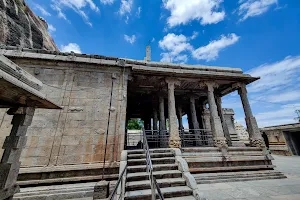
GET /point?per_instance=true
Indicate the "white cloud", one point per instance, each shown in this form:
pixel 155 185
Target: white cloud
pixel 276 75
pixel 284 115
pixel 138 12
pixel 211 51
pixel 275 97
pixel 195 34
pixel 174 45
pixel 51 28
pixel 285 97
pixel 107 2
pixel 130 39
pixel 59 11
pixel 70 47
pixel 42 10
pixel 184 11
pixel 251 8
pixel 76 5
pixel 126 6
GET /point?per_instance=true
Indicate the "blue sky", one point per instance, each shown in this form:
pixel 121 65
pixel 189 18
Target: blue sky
pixel 259 36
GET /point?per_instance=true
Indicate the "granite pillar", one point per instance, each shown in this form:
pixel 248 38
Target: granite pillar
pixel 216 125
pixel 174 138
pixel 13 145
pixel 255 137
pixel 224 124
pixel 179 116
pixel 195 120
pixel 162 121
pixel 155 119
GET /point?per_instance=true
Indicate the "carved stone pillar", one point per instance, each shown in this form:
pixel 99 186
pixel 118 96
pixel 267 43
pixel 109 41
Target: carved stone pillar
pixel 195 120
pixel 179 116
pixel 155 118
pixel 255 137
pixel 174 139
pixel 224 124
pixel 162 120
pixel 216 125
pixel 13 145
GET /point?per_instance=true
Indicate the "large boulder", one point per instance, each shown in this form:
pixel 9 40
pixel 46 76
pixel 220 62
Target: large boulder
pixel 19 26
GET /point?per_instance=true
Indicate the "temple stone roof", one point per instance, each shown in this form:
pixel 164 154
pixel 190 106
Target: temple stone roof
pixel 282 127
pixel 75 57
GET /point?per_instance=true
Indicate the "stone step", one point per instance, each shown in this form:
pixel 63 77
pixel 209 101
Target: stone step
pixel 234 168
pixel 230 175
pixel 219 154
pixel 153 155
pixel 181 198
pixel 141 151
pixel 163 183
pixel 234 179
pixel 56 192
pixel 166 160
pixel 168 192
pixel 160 167
pixel 215 149
pixel 139 176
pixel 220 159
pixel 64 180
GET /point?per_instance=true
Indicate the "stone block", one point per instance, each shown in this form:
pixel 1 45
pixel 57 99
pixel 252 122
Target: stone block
pixel 70 140
pixel 101 190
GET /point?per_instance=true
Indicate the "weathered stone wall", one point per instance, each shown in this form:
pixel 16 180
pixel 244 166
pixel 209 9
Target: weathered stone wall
pixel 77 133
pixel 19 26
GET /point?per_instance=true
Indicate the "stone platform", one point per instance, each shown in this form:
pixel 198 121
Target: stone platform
pixel 211 159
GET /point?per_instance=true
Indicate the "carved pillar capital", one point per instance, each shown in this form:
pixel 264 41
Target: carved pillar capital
pixel 211 85
pixel 172 82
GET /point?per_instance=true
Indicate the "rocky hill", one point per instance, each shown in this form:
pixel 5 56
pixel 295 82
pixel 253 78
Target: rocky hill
pixel 19 26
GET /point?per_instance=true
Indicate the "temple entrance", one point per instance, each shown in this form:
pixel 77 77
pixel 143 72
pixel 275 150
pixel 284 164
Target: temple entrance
pixel 293 142
pixel 148 103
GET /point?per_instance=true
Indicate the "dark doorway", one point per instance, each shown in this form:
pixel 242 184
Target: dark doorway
pixel 266 139
pixel 293 141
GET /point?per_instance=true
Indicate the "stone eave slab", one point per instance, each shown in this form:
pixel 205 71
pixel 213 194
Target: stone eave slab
pixel 193 73
pixel 13 92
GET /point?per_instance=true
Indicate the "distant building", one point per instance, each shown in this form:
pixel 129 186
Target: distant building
pixel 283 139
pixel 242 133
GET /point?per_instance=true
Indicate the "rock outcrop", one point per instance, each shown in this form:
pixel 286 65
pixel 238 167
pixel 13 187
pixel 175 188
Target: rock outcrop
pixel 19 26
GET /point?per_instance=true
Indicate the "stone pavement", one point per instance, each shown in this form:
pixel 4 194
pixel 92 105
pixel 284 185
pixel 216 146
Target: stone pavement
pixel 280 189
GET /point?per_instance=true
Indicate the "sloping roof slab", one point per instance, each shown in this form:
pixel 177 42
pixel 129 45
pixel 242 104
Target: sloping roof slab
pixel 19 88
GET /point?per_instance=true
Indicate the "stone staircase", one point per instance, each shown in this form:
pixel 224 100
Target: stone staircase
pixel 166 171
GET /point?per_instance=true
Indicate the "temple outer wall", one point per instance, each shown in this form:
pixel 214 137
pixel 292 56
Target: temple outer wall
pixel 77 134
pixel 281 139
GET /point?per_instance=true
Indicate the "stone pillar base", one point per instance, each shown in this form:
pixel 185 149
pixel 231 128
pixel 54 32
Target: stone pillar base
pixel 101 190
pixel 175 142
pixel 220 142
pixel 257 142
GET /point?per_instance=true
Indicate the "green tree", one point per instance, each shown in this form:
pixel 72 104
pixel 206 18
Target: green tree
pixel 135 124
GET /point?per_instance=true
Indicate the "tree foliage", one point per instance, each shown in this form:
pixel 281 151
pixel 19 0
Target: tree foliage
pixel 135 124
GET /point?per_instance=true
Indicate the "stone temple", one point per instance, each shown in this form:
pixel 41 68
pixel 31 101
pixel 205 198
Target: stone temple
pixel 86 141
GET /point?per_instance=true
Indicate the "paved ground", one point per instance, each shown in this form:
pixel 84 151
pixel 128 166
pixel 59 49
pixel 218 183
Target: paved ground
pixel 281 189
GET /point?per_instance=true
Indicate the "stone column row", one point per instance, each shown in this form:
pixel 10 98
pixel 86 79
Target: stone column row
pixel 221 135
